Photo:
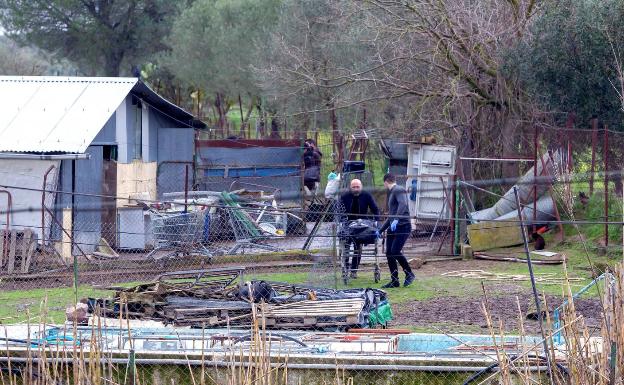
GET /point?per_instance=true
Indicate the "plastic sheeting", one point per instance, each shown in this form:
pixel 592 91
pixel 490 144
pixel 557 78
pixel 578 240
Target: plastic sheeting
pixel 507 204
pixel 545 212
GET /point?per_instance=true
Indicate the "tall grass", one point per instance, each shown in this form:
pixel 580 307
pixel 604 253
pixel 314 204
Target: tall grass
pixel 588 355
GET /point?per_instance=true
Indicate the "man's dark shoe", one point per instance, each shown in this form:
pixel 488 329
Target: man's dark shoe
pixel 409 279
pixel 353 275
pixel 391 284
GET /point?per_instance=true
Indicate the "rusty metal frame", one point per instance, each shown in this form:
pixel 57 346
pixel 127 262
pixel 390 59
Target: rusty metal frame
pixel 45 209
pixel 43 204
pixel 5 237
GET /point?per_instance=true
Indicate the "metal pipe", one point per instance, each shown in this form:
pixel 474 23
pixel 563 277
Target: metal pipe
pixel 5 237
pixel 499 159
pixel 594 139
pixel 43 204
pixel 533 285
pixel 534 178
pixel 8 155
pixel 606 184
pixel 569 128
pixel 174 361
pixel 186 175
pixel 455 215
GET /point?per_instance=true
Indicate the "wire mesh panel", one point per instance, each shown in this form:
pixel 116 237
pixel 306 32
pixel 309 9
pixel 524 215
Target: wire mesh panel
pixel 274 307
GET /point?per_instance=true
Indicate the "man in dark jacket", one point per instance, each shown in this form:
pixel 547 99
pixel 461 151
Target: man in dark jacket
pixel 312 166
pixel 400 229
pixel 357 204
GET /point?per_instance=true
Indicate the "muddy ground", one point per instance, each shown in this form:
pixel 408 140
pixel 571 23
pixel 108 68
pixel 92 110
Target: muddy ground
pixel 452 313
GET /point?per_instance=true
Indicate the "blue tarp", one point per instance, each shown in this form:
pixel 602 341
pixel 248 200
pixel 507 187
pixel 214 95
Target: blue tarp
pixel 252 171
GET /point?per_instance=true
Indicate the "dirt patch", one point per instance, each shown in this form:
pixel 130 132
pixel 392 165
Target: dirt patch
pixel 458 314
pixel 436 268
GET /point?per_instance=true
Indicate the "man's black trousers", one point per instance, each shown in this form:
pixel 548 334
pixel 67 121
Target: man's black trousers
pixel 395 240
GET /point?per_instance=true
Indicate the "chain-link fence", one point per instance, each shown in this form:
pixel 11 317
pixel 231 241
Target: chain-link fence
pixel 175 177
pixel 231 283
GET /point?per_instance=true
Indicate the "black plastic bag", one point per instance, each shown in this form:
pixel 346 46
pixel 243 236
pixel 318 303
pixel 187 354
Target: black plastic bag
pixel 362 231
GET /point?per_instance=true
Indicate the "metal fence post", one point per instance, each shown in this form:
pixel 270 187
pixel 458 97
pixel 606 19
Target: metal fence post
pixel 456 215
pixel 540 316
pixel 606 184
pixel 334 256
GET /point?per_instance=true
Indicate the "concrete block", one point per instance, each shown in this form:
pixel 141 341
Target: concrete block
pixel 466 251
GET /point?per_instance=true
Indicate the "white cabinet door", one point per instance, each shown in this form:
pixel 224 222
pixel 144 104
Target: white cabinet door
pixel 432 166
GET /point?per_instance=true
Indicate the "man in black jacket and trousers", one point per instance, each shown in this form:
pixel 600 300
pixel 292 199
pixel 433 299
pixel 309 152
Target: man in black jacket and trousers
pixel 357 204
pixel 400 228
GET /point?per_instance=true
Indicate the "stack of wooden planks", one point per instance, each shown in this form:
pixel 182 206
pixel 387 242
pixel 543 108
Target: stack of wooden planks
pixel 314 314
pixel 543 278
pixel 211 299
pixel 192 312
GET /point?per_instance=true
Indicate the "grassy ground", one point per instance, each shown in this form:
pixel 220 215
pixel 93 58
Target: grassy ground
pixel 20 305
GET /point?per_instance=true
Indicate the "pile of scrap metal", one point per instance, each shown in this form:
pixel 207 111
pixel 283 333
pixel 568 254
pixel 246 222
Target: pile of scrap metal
pixel 214 298
pixel 261 212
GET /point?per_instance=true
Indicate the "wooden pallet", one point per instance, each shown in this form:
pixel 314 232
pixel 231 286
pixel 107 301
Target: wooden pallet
pixel 16 250
pixel 206 316
pixel 313 314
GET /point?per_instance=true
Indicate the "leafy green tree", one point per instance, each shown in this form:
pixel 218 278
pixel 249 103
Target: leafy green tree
pixel 213 45
pixel 571 59
pixel 572 62
pixel 103 37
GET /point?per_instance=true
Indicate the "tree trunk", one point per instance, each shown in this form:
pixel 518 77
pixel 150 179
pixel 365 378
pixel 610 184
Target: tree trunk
pixel 241 131
pixel 336 136
pixel 261 123
pixel 301 130
pixel 465 167
pixel 275 129
pixel 221 119
pixel 510 139
pixel 245 124
pixel 112 63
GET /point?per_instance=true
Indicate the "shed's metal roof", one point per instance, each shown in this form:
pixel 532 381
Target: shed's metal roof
pixel 56 114
pixel 64 114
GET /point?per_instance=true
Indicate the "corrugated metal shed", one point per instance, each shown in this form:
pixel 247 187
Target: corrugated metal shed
pixel 56 114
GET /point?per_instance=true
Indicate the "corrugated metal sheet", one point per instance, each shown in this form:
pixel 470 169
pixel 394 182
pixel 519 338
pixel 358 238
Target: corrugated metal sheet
pixel 56 114
pixel 252 165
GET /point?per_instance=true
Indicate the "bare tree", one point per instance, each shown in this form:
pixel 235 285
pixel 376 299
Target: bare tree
pixel 19 61
pixel 427 65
